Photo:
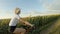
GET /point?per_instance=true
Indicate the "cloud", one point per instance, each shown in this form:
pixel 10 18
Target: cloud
pixel 52 6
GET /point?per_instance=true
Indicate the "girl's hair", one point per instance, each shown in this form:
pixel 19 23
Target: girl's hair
pixel 17 11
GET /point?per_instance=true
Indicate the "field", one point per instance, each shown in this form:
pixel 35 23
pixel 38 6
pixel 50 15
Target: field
pixel 42 24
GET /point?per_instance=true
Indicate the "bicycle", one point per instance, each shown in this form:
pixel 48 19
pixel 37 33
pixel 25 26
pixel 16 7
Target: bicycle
pixel 25 30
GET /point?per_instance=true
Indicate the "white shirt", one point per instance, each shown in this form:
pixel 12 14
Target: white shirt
pixel 14 20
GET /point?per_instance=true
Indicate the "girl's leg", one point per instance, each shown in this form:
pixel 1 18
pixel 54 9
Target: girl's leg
pixel 23 33
pixel 20 30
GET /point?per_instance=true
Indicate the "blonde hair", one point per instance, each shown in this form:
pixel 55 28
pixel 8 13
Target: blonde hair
pixel 17 11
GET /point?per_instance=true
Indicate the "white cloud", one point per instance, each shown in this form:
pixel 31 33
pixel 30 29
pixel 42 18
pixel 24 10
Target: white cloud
pixel 55 5
pixel 52 6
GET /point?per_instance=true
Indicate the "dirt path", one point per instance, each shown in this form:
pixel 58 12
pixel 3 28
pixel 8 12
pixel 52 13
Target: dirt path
pixel 51 28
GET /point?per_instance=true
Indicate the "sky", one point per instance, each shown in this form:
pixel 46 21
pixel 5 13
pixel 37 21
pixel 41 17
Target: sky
pixel 29 7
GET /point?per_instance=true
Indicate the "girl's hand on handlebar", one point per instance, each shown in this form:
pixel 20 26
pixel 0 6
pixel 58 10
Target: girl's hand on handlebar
pixel 32 25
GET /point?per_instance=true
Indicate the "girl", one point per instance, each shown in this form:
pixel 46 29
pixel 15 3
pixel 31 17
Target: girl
pixel 16 19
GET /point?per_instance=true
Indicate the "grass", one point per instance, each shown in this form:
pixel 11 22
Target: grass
pixel 41 23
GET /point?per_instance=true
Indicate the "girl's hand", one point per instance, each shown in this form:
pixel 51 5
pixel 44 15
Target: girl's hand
pixel 32 25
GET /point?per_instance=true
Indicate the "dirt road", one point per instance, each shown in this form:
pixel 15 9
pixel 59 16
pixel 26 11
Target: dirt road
pixel 53 29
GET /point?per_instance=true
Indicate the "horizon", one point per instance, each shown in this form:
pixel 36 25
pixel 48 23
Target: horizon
pixel 31 16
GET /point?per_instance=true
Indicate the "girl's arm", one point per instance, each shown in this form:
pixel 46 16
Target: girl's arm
pixel 25 22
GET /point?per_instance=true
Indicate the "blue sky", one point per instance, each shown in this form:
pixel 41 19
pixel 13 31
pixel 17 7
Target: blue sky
pixel 33 7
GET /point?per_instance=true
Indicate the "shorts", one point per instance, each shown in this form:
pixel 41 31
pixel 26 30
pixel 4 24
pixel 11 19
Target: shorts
pixel 12 28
